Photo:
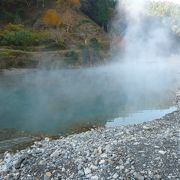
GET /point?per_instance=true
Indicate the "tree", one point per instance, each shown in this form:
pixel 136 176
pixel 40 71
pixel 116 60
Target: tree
pixel 52 18
pixel 75 3
pixel 98 11
pixel 68 3
pixel 68 20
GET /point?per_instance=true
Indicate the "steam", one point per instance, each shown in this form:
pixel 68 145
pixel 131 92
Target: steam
pixel 147 38
pixel 144 75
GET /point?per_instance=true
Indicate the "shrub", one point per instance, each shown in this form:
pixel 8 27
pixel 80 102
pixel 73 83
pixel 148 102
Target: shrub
pixel 17 35
pixel 61 43
pixel 14 27
pixel 94 44
pixel 17 38
pixel 72 57
pixel 24 38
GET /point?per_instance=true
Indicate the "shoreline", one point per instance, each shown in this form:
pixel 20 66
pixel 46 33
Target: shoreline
pixel 144 151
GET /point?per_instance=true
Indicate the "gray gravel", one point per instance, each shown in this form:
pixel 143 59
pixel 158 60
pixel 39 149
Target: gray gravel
pixel 145 151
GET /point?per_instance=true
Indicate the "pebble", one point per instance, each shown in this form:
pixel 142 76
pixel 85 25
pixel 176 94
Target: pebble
pixel 48 174
pixel 87 171
pixel 138 176
pixel 162 152
pixel 55 154
pixel 94 178
pixel 102 162
pixel 124 152
pixel 115 176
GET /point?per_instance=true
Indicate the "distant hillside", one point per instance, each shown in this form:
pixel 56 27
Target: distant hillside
pixel 170 11
pixel 52 25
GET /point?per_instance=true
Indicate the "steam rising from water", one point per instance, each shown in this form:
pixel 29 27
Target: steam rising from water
pixel 145 77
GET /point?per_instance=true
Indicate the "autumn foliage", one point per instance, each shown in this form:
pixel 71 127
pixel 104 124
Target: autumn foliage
pixel 52 18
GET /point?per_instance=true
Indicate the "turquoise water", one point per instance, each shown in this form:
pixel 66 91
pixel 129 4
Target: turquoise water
pixel 57 101
pixel 140 117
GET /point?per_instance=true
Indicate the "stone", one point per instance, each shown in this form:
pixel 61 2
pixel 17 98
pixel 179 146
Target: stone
pixel 121 167
pixel 115 176
pixel 146 128
pixel 81 173
pixel 93 167
pixel 19 162
pixel 63 169
pixel 138 176
pixel 94 178
pixel 99 151
pixel 55 154
pixel 162 152
pixel 48 174
pixel 157 176
pixel 102 162
pixel 87 171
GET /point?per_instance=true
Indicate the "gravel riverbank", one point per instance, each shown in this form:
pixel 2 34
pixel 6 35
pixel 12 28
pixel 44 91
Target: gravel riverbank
pixel 146 151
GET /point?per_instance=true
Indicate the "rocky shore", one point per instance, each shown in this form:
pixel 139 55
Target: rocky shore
pixel 145 151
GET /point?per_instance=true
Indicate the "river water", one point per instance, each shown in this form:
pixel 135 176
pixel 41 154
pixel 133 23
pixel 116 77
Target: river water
pixel 60 101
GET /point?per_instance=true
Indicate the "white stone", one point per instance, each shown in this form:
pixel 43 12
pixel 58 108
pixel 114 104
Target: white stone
pixel 55 154
pixel 115 176
pixel 162 152
pixel 94 178
pixel 93 167
pixel 87 171
pixel 102 161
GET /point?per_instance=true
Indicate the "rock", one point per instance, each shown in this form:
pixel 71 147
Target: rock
pixel 47 139
pixel 162 152
pixel 103 155
pixel 138 176
pixel 93 167
pixel 115 176
pixel 157 177
pixel 55 154
pixel 42 162
pixel 48 174
pixel 87 171
pixel 94 178
pixel 19 162
pixel 63 169
pixel 99 151
pixel 102 162
pixel 81 173
pixel 121 168
pixel 146 128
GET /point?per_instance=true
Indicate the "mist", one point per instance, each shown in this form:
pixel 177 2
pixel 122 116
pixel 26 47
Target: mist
pixel 144 75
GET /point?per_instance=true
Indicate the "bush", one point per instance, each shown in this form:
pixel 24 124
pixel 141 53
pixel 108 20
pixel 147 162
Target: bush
pixel 18 38
pixel 14 27
pixel 17 35
pixel 61 43
pixel 94 44
pixel 72 57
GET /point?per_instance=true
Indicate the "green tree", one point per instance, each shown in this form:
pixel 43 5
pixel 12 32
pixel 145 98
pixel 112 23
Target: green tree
pixel 99 11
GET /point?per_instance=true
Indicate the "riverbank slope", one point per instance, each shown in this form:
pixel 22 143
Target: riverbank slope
pixel 146 151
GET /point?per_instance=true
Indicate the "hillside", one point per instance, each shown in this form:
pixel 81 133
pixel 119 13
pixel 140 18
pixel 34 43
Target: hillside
pixel 55 31
pixel 69 33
